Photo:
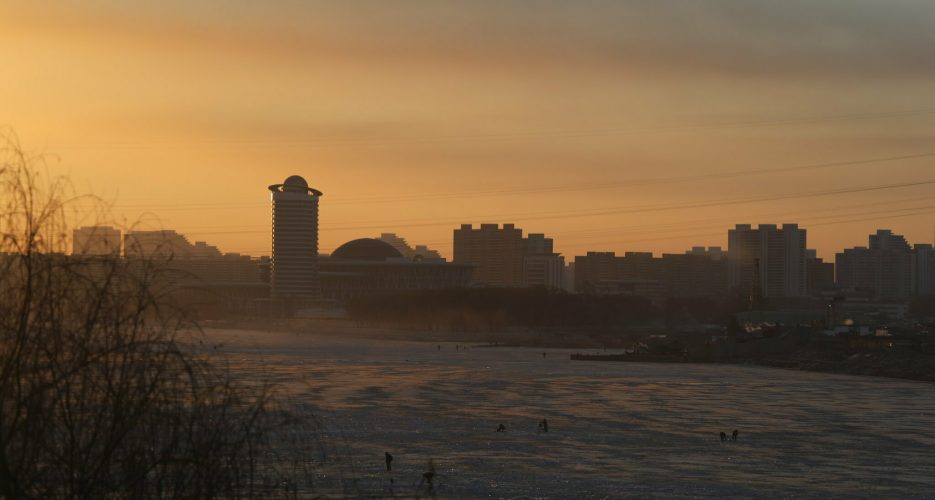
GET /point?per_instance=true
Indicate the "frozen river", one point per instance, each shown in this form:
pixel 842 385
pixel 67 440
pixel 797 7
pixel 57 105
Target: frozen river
pixel 615 429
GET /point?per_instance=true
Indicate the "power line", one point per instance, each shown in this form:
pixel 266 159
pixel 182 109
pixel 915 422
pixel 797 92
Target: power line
pixel 637 209
pixel 548 189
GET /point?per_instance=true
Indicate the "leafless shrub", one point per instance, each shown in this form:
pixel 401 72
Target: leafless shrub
pixel 104 391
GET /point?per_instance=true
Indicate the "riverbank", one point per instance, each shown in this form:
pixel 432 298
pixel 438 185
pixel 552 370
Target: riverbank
pixel 898 363
pixel 895 363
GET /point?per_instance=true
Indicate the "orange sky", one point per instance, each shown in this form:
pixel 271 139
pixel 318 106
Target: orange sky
pixel 604 124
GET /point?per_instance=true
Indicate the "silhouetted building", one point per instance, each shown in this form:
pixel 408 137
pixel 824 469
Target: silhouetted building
pixel 923 270
pixel 199 275
pixel 294 263
pixel 368 266
pixel 594 268
pixel 650 289
pixel 884 269
pixel 639 266
pixel 408 251
pixel 819 274
pixel 496 253
pixel 96 240
pixel 768 261
pixel 164 244
pixel 568 277
pixel 541 265
pixel 695 274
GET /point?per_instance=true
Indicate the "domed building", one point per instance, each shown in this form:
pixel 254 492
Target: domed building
pixel 370 266
pixel 366 249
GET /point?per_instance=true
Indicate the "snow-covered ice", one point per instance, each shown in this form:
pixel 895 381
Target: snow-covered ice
pixel 615 429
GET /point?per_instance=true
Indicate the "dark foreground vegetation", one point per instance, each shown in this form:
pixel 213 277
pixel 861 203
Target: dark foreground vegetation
pixel 102 393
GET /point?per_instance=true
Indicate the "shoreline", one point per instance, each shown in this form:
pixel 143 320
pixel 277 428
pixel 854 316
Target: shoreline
pixel 895 363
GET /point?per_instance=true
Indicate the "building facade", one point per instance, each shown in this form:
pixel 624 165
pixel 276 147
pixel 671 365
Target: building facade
pixel 294 264
pixel 884 269
pixel 767 261
pixel 819 274
pixel 496 253
pixel 365 267
pixel 542 267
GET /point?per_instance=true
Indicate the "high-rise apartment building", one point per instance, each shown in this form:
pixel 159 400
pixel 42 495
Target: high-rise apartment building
pixel 594 268
pixel 294 264
pixel 541 265
pixel 767 262
pixel 885 268
pixel 697 273
pixel 496 253
pixel 96 240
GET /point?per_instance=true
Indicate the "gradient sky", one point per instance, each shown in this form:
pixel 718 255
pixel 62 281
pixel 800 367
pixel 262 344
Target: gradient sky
pixel 608 125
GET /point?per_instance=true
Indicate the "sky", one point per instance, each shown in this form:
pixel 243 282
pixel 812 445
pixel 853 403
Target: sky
pixel 630 125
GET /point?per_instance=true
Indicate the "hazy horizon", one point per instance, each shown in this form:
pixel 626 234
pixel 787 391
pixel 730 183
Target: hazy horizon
pixel 608 126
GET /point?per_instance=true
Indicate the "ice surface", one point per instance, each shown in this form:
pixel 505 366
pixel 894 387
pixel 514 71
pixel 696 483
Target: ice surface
pixel 616 429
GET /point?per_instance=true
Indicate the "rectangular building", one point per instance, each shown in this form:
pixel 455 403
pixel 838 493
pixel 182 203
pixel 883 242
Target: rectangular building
pixel 884 269
pixel 767 262
pixel 496 253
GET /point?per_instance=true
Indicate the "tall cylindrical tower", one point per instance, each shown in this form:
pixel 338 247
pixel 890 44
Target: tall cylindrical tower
pixel 294 267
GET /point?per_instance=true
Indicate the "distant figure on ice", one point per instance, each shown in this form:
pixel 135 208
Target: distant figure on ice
pixel 428 476
pixel 723 437
pixel 389 461
pixel 733 435
pixel 543 354
pixel 501 428
pixel 439 347
pixel 544 425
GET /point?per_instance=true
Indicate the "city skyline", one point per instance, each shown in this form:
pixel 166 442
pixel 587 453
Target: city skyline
pixel 610 126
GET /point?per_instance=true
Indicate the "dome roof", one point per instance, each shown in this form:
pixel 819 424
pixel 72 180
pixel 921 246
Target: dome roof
pixel 295 183
pixel 366 249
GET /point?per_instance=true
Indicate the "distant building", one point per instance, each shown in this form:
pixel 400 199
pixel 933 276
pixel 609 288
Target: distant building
pixel 695 274
pixel 496 253
pixel 650 289
pixel 366 266
pixel 884 269
pixel 698 273
pixel 767 262
pixel 409 252
pixel 819 274
pixel 593 268
pixel 568 277
pixel 165 244
pixel 639 266
pixel 923 270
pixel 96 240
pixel 294 263
pixel 541 265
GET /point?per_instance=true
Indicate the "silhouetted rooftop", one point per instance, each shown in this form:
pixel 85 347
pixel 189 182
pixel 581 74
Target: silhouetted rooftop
pixel 366 249
pixel 295 182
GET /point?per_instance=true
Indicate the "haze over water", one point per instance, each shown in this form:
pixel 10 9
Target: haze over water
pixel 615 428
